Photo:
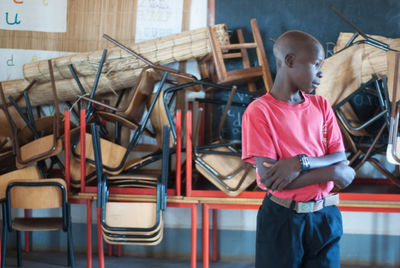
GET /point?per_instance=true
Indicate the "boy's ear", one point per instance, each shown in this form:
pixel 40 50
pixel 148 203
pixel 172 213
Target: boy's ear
pixel 289 59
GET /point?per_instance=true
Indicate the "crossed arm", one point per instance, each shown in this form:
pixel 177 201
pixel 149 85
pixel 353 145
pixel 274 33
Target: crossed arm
pixel 286 174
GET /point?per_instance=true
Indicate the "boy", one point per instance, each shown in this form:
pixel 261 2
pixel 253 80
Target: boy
pixel 296 144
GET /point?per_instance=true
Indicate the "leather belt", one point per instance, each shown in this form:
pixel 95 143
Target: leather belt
pixel 306 207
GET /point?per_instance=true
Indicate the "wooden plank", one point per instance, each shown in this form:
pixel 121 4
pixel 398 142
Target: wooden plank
pixel 232 55
pixel 245 59
pixel 239 46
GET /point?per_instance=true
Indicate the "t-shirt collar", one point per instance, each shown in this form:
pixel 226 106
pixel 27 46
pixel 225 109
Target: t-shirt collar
pixel 284 104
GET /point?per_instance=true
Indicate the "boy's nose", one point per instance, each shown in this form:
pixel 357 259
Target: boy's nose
pixel 320 74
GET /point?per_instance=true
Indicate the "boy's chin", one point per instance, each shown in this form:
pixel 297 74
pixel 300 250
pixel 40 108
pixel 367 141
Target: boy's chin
pixel 308 91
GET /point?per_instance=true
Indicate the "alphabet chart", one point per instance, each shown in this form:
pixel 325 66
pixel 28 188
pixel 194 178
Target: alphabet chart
pixel 34 15
pixel 156 18
pixel 12 60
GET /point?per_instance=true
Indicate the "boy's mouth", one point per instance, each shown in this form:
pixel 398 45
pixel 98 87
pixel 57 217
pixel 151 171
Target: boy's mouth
pixel 315 85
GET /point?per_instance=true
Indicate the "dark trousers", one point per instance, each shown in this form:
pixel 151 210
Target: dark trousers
pixel 286 239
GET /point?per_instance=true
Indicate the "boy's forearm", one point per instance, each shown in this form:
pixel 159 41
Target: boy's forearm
pixel 317 175
pixel 281 175
pixel 327 160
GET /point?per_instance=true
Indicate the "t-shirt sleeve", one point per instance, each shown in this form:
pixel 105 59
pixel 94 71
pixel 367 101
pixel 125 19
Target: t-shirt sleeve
pixel 334 139
pixel 256 136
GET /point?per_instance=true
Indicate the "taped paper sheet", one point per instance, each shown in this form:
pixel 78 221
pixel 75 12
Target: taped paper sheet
pixel 34 15
pixel 12 60
pixel 156 18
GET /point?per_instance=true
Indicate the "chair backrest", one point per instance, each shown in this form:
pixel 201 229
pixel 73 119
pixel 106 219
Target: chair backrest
pixel 37 194
pixel 112 153
pixel 25 173
pixel 136 100
pixel 159 119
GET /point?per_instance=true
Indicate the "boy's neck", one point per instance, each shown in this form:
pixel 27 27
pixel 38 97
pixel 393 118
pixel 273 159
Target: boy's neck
pixel 283 91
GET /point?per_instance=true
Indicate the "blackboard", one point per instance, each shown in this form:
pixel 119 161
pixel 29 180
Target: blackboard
pixel 274 17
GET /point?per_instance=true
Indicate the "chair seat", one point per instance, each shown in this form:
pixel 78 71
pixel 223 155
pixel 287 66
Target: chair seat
pixel 227 169
pixel 131 215
pixel 149 234
pixel 39 149
pixel 133 241
pixel 37 224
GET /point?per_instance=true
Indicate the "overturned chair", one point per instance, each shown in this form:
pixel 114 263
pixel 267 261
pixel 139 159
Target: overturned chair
pixel 220 162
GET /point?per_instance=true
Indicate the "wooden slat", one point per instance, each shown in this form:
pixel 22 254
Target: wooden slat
pixel 245 59
pixel 239 46
pixel 232 55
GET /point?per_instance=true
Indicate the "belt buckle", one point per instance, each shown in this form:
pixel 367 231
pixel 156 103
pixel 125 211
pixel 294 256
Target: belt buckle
pixel 305 207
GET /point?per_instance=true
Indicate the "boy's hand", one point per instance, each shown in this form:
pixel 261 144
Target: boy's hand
pixel 343 174
pixel 282 173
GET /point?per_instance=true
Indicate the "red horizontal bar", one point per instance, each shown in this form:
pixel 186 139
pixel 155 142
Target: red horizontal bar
pixel 365 209
pixel 117 190
pixel 232 206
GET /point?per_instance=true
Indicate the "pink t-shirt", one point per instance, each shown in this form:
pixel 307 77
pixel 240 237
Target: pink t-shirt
pixel 275 129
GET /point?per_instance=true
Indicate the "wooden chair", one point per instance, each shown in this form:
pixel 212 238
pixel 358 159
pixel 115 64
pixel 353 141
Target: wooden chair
pixel 41 147
pixel 29 172
pixel 247 73
pixel 37 194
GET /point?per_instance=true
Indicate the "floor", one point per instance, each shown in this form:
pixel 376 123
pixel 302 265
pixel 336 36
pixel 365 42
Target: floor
pixel 56 260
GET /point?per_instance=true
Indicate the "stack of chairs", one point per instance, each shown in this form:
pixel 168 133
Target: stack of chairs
pixel 129 113
pixel 132 223
pixel 363 112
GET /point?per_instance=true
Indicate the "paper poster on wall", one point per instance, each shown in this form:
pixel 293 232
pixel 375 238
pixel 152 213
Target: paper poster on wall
pixel 156 18
pixel 34 15
pixel 12 60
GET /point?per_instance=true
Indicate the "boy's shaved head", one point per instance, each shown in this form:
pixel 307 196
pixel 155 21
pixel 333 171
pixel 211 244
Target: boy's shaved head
pixel 292 42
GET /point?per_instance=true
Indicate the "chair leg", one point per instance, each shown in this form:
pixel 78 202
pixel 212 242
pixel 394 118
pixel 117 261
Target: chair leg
pixel 71 259
pixel 69 251
pixel 19 259
pixel 3 237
